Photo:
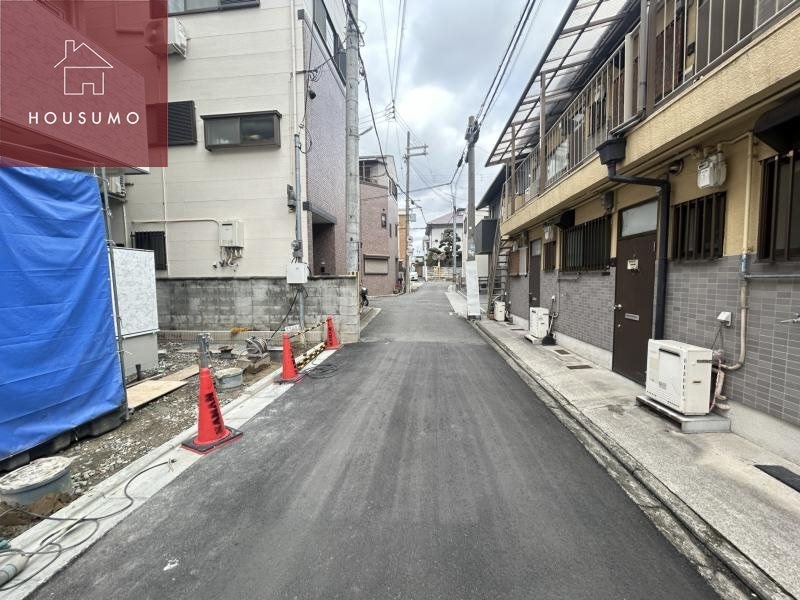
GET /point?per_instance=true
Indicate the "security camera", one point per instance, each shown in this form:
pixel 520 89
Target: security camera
pixel 311 93
pixel 675 167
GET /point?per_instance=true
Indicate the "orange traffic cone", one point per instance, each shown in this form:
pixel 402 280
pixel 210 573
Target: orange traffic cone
pixel 331 341
pixel 289 373
pixel 211 430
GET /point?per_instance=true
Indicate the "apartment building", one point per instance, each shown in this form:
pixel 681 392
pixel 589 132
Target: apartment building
pixel 379 225
pixel 685 224
pixel 244 77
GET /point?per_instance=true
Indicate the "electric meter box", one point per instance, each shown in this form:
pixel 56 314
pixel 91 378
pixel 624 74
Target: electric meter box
pixel 297 273
pixel 231 234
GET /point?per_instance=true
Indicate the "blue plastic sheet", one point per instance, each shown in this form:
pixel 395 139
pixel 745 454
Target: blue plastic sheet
pixel 58 362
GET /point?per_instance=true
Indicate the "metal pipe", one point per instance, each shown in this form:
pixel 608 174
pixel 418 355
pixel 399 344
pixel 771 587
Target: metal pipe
pixel 641 92
pixel 773 276
pixel 298 228
pixel 664 188
pixel 112 267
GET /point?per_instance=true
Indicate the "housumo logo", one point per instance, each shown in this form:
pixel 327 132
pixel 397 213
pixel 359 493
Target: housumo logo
pixel 91 90
pixel 83 71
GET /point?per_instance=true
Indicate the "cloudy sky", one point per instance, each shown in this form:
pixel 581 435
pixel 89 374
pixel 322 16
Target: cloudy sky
pixel 450 51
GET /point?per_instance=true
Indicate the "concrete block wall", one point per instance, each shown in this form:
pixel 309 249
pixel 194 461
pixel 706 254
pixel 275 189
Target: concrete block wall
pixel 584 304
pixel 258 303
pixel 770 379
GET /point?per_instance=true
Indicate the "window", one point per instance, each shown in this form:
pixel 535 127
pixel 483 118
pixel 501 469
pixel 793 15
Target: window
pixel 181 125
pixel 376 265
pixel 365 172
pixel 155 241
pixel 587 247
pixel 513 263
pixel 244 129
pixel 383 220
pixel 779 237
pixel 699 228
pixel 176 7
pixel 549 257
pixel 639 219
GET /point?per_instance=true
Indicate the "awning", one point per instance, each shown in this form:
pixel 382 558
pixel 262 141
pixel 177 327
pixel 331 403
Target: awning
pixel 571 57
pixel 779 128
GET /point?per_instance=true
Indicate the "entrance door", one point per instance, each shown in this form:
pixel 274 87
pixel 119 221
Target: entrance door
pixel 534 270
pixel 633 310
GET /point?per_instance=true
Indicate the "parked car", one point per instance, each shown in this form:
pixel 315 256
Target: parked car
pixel 414 276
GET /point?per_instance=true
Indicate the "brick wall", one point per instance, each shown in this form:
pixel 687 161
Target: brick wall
pixel 583 305
pixel 258 303
pixel 325 144
pixel 770 379
pixel 377 240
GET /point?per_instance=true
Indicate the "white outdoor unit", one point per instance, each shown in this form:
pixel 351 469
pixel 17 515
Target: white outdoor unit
pixel 539 321
pixel 499 311
pixel 231 234
pixel 177 41
pixel 679 376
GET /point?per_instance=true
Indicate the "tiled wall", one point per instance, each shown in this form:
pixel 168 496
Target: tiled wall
pixel 584 304
pixel 325 143
pixel 770 379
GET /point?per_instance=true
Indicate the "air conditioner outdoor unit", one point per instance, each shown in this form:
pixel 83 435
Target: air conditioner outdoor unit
pixel 116 186
pixel 679 376
pixel 177 42
pixel 539 321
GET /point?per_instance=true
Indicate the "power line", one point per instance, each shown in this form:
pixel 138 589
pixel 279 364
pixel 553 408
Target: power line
pixel 401 25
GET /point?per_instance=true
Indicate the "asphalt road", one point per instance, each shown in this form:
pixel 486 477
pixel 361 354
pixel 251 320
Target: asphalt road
pixel 424 468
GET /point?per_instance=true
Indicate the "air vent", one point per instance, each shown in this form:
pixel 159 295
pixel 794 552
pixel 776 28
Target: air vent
pixel 182 128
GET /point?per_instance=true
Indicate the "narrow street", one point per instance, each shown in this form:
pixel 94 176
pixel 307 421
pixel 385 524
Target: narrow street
pixel 422 467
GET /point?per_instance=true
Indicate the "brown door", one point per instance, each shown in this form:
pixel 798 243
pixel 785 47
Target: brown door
pixel 534 271
pixel 633 310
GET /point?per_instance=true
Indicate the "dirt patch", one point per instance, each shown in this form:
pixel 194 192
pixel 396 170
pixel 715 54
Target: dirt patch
pixel 95 459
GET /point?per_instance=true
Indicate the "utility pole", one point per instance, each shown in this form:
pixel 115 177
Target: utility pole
pixel 423 150
pixel 455 237
pixel 470 264
pixel 352 200
pixel 297 246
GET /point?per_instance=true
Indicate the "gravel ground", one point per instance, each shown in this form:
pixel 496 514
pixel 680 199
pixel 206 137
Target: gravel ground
pixel 95 459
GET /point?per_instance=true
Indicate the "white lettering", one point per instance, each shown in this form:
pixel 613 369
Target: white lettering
pixel 130 119
pixel 50 118
pixel 113 119
pixel 33 118
pixel 97 118
pixel 64 118
pixel 82 118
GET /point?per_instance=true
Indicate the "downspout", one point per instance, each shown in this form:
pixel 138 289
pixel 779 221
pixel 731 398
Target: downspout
pixel 743 263
pixel 664 188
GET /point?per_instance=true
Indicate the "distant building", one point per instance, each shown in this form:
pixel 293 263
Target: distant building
pixel 380 230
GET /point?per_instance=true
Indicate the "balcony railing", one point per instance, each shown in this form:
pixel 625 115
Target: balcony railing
pixel 688 39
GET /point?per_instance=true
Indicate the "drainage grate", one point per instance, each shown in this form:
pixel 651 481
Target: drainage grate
pixel 517 329
pixel 562 351
pixel 782 474
pixel 579 366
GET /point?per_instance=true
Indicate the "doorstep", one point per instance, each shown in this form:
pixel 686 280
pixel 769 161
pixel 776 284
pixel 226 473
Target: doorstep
pixel 713 474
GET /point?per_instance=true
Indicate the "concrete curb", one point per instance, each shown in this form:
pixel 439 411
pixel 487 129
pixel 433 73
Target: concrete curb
pixel 103 498
pixel 739 565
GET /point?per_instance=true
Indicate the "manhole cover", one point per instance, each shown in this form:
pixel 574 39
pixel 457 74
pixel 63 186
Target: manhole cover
pixel 561 351
pixel 34 474
pixel 579 366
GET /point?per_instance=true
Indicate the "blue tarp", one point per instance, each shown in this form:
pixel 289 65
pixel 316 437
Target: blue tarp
pixel 58 362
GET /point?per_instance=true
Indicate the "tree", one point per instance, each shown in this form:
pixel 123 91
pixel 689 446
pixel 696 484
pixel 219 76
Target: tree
pixel 446 247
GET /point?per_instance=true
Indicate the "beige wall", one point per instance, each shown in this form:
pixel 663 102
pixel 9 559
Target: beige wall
pixel 237 61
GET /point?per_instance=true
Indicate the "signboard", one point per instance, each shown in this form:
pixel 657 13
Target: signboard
pixel 84 84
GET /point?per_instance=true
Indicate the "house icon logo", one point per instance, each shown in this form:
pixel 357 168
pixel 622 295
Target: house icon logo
pixel 84 70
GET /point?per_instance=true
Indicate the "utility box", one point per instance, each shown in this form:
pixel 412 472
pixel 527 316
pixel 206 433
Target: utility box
pixel 539 322
pixel 499 311
pixel 297 273
pixel 231 234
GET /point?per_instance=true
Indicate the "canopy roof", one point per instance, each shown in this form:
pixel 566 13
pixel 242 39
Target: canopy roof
pixel 572 55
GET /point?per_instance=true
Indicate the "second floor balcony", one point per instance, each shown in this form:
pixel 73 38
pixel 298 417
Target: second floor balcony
pixel 592 85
